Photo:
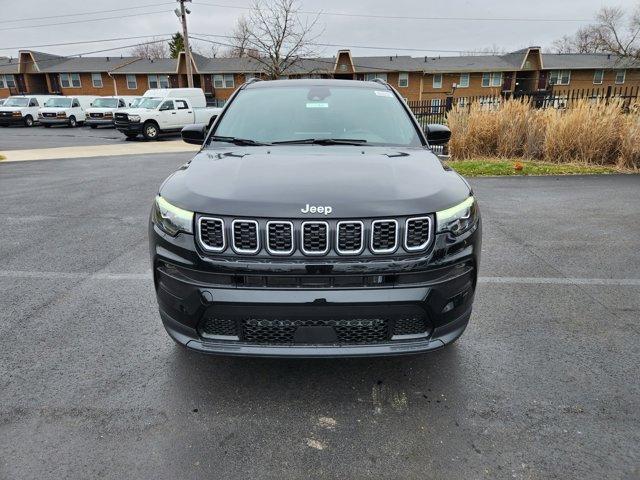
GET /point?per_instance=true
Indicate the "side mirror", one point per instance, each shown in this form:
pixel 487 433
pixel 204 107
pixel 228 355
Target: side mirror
pixel 194 133
pixel 437 134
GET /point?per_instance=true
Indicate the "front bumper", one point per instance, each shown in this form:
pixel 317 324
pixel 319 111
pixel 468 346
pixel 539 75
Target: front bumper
pixel 192 288
pixel 53 121
pixel 128 127
pixel 11 120
pixel 99 121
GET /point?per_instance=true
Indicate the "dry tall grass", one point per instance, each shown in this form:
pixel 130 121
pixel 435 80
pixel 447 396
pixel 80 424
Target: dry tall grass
pixel 587 132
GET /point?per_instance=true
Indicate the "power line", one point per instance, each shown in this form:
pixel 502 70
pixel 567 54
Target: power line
pixel 403 17
pixel 77 21
pixel 83 42
pixel 84 13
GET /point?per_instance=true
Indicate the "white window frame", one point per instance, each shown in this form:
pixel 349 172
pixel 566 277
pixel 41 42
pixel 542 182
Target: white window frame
pixel 559 76
pixel 129 83
pixel 465 84
pixel 595 72
pixel 437 80
pixel 491 79
pixel 160 80
pixel 225 80
pixel 369 77
pixel 624 77
pixel 65 81
pixel 96 76
pixel 71 80
pixel 8 80
pixel 403 79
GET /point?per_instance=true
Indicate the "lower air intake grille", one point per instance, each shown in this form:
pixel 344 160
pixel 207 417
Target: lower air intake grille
pixel 410 326
pixel 212 234
pixel 418 233
pixel 315 240
pixel 245 236
pixel 384 236
pixel 218 327
pixel 280 237
pixel 352 331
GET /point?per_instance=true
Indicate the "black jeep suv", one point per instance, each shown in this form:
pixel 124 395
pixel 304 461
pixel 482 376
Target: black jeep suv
pixel 315 221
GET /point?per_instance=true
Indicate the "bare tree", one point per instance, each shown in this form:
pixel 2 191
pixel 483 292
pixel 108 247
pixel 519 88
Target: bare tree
pixel 492 50
pixel 614 32
pixel 275 35
pixel 154 49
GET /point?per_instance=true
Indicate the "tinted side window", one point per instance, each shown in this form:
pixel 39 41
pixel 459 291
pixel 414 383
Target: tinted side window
pixel 168 105
pixel 75 103
pixel 121 103
pixel 181 104
pixel 33 102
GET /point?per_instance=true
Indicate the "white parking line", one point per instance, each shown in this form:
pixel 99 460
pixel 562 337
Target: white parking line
pixel 633 282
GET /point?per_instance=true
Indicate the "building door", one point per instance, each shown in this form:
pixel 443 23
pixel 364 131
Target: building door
pixel 542 80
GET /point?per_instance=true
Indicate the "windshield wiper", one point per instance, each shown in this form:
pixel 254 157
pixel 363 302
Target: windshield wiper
pixel 323 141
pixel 237 141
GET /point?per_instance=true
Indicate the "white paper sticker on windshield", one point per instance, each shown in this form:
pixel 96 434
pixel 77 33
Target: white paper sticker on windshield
pixel 317 105
pixel 383 94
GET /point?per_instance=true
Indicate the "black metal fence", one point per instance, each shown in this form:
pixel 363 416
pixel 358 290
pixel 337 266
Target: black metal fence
pixel 435 110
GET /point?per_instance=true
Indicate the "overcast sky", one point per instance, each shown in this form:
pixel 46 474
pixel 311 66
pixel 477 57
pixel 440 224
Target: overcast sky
pixel 156 18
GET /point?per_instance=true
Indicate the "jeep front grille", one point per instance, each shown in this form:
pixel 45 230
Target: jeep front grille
pixel 350 237
pixel 417 233
pixel 280 238
pixel 384 236
pixel 315 238
pixel 211 234
pixel 245 236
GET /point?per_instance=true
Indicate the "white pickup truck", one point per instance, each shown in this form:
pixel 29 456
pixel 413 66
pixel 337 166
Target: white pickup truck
pixel 165 110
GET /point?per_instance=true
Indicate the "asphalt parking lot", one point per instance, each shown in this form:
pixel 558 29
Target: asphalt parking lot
pixel 543 384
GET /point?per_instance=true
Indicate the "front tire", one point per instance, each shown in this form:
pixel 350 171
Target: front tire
pixel 28 121
pixel 151 131
pixel 130 136
pixel 72 122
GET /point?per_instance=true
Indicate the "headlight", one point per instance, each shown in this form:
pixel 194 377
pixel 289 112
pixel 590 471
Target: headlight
pixel 458 219
pixel 170 218
pixel 61 114
pixel 134 118
pixel 17 114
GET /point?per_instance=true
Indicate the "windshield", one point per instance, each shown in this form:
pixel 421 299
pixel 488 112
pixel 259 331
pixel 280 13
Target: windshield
pixel 149 103
pixel 16 102
pixel 105 102
pixel 58 102
pixel 136 102
pixel 281 114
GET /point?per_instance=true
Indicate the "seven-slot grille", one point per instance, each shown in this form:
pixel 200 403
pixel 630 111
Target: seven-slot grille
pixel 417 233
pixel 245 236
pixel 384 236
pixel 315 238
pixel 280 238
pixel 350 237
pixel 96 115
pixel 344 237
pixel 211 233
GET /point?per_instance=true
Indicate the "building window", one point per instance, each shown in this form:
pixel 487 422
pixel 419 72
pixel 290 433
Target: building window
pixel 70 80
pixel 369 77
pixel 132 82
pixel 620 76
pixel 96 80
pixel 158 81
pixel 492 79
pixel 560 77
pixel 403 79
pixel 464 80
pixel 223 81
pixel 7 81
pixel 437 80
pixel 598 75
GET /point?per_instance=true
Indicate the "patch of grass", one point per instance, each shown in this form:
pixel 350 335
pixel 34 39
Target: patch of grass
pixel 499 167
pixel 2 157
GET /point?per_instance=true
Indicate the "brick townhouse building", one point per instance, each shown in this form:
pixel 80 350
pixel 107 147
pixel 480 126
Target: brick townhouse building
pixel 433 79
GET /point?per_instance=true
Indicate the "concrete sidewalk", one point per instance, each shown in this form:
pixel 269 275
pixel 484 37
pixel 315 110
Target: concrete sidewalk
pixel 125 148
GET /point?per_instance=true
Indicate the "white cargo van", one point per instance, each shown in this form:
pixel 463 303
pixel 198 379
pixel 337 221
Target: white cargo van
pixel 101 110
pixel 65 110
pixel 21 110
pixel 165 110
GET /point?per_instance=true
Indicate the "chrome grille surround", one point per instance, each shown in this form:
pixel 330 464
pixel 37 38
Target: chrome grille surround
pixel 407 229
pixel 245 251
pixel 326 238
pixel 275 223
pixel 373 236
pixel 205 245
pixel 346 251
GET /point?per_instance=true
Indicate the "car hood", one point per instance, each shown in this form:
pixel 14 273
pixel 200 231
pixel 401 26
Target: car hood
pixel 136 111
pixel 280 181
pixel 11 109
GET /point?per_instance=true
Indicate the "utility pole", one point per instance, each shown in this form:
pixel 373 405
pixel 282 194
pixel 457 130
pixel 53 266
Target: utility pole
pixel 182 13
